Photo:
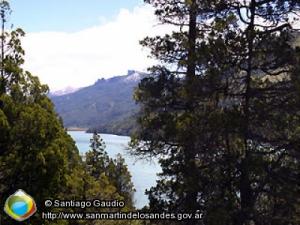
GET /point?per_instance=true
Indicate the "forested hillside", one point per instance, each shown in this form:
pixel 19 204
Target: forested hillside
pixel 107 105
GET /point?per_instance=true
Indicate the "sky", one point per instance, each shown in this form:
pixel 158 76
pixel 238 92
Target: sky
pixel 72 43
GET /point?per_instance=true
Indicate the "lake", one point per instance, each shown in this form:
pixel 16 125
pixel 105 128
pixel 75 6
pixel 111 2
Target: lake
pixel 143 172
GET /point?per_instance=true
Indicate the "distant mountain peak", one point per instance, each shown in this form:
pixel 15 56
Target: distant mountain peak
pixel 134 76
pixel 65 91
pixel 107 105
pixel 131 72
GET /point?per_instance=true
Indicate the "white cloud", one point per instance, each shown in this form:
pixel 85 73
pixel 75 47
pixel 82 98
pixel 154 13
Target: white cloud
pixel 79 59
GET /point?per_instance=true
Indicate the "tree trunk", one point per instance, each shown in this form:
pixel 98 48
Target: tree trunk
pixel 245 183
pixel 191 205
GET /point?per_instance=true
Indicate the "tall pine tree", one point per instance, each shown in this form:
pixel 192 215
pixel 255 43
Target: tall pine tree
pixel 222 112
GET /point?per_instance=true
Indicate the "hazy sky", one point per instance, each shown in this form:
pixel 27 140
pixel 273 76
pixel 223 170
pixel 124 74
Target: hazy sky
pixel 74 43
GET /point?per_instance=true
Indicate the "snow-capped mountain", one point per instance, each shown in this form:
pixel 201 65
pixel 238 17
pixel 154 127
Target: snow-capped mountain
pixel 134 76
pixel 67 90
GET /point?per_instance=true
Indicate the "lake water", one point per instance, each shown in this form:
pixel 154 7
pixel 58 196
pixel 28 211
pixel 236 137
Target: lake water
pixel 143 172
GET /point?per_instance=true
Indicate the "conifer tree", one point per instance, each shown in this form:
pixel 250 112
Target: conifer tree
pixel 97 159
pixel 36 154
pixel 120 176
pixel 100 165
pixel 222 112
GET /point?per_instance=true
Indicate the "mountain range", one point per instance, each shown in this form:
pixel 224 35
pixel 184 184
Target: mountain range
pixel 106 106
pixel 65 91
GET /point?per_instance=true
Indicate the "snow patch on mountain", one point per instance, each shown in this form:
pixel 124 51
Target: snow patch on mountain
pixel 134 76
pixel 65 91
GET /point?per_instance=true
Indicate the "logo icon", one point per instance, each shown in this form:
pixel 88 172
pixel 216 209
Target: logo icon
pixel 20 206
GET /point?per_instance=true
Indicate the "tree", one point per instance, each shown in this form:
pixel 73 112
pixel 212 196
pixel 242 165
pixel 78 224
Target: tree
pixel 97 159
pixel 120 176
pixel 100 165
pixel 222 112
pixel 258 85
pixel 169 111
pixel 36 154
pixel 5 9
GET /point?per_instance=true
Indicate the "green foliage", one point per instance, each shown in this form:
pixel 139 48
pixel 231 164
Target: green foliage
pixel 96 159
pixel 100 166
pixel 36 153
pixel 222 112
pixel 120 176
pixel 111 176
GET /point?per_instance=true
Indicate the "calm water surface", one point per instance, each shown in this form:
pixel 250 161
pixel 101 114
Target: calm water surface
pixel 143 172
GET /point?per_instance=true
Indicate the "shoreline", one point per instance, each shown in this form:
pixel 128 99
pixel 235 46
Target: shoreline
pixel 76 129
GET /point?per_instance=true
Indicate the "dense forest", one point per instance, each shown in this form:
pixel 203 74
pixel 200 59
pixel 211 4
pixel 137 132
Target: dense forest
pixel 221 112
